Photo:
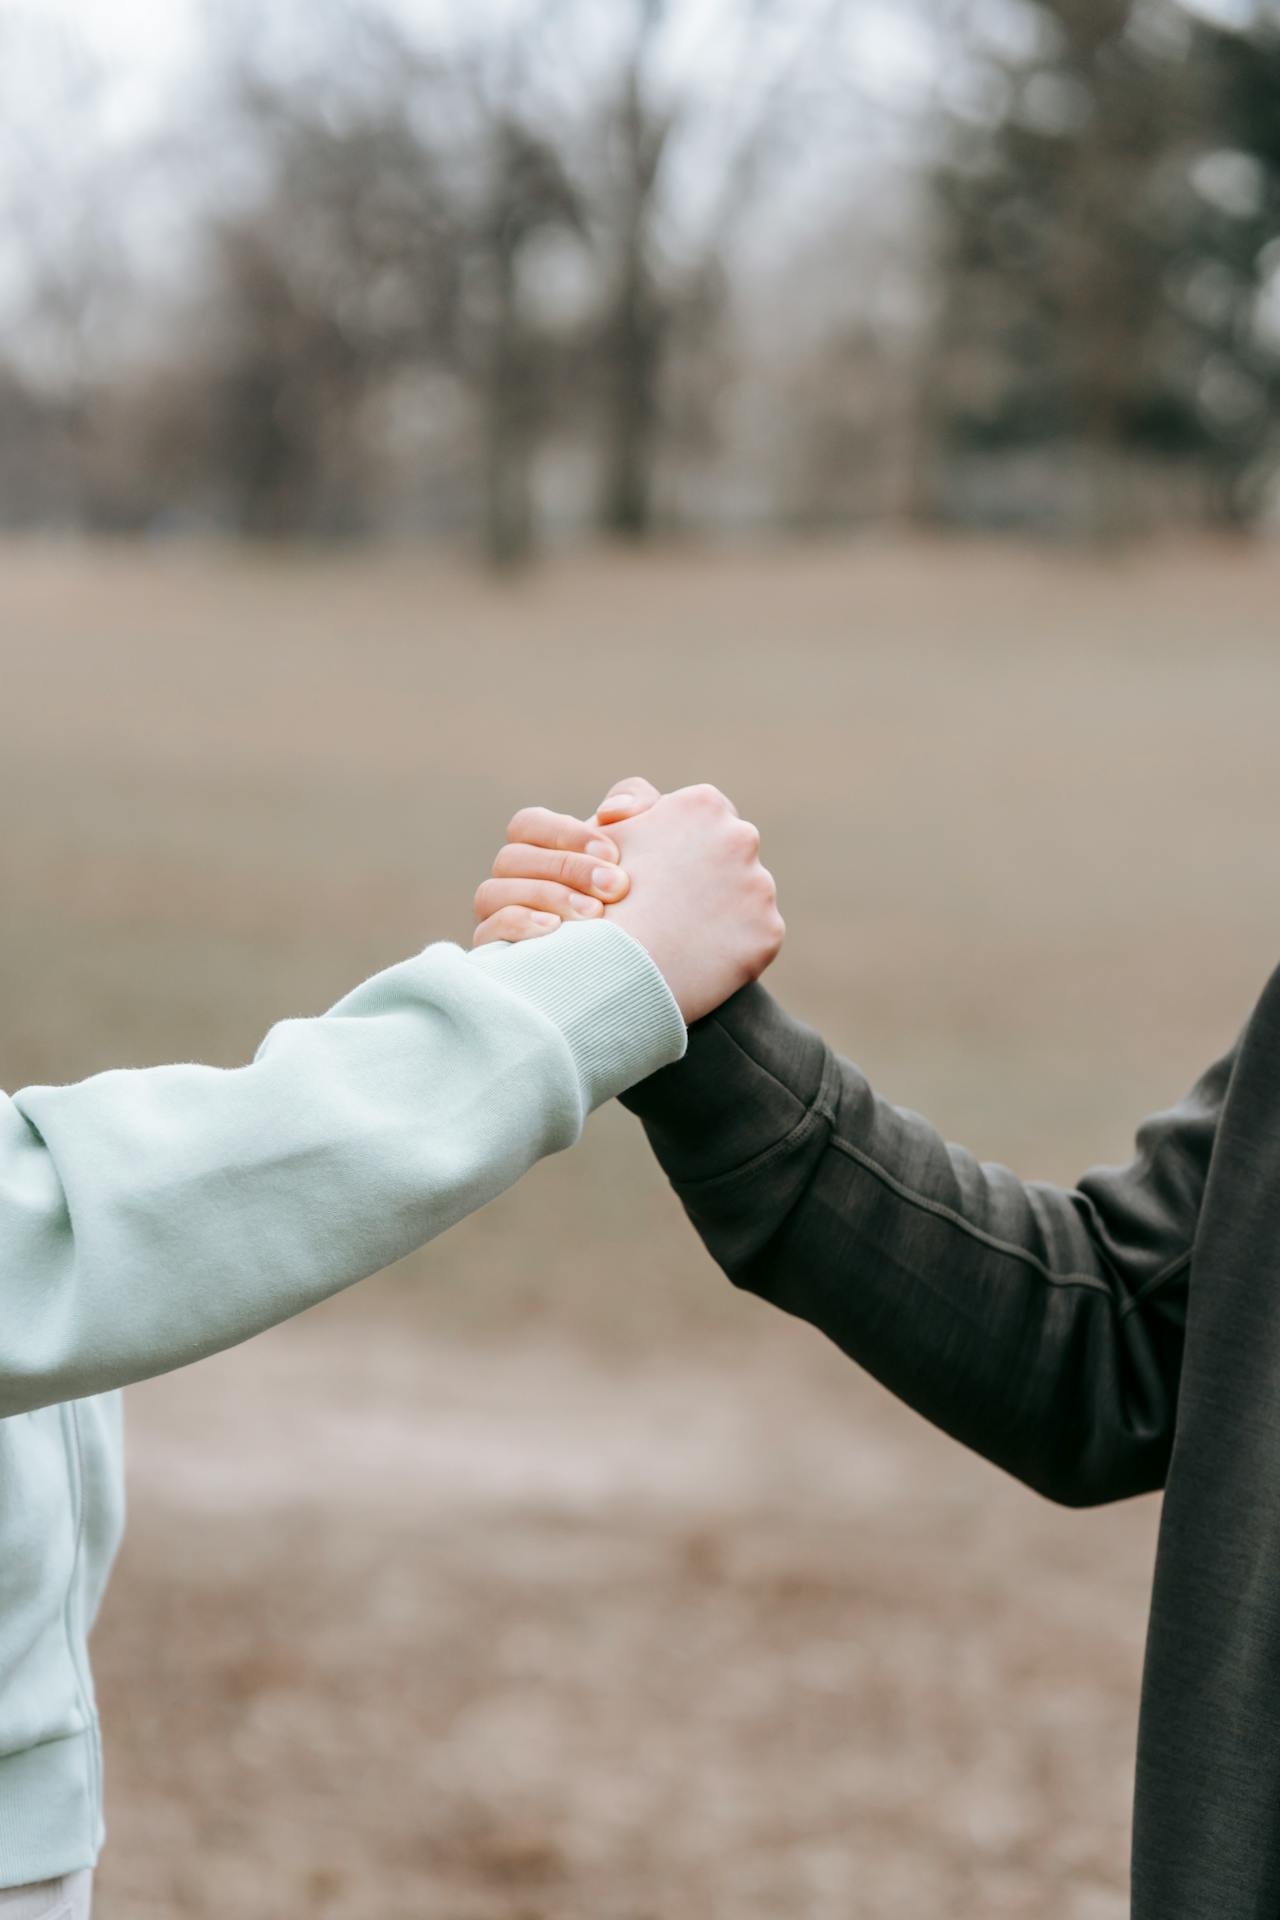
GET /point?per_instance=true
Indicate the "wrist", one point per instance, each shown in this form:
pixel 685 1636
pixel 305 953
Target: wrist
pixel 604 992
pixel 750 1072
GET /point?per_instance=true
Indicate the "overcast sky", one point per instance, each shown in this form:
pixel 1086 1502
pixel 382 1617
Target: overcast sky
pixel 156 43
pixel 154 46
pixel 157 54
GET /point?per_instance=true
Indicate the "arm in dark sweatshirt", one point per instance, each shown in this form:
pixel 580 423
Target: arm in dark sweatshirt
pixel 1042 1327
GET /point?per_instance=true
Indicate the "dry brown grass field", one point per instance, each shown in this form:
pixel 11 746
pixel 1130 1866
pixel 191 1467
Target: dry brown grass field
pixel 547 1578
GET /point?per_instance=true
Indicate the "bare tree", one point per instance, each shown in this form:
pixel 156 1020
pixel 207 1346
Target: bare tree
pixel 636 316
pixel 657 283
pixel 529 194
pixel 63 190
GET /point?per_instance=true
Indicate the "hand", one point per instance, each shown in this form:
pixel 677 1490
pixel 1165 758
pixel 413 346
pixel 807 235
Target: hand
pixel 553 868
pixel 699 900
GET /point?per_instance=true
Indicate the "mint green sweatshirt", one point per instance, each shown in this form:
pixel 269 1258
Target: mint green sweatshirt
pixel 149 1218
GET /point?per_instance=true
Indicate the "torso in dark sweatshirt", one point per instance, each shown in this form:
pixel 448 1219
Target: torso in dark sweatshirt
pixel 1106 1340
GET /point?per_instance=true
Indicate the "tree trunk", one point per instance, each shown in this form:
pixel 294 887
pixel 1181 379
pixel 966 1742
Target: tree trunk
pixel 631 418
pixel 508 506
pixel 633 334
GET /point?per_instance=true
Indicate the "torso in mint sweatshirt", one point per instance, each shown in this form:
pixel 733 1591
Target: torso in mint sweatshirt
pixel 149 1218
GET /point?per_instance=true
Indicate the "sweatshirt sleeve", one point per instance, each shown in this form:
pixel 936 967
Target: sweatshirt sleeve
pixel 149 1218
pixel 1041 1326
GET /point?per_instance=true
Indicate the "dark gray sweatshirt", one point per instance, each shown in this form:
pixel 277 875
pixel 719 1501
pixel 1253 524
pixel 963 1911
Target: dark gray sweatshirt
pixel 1106 1340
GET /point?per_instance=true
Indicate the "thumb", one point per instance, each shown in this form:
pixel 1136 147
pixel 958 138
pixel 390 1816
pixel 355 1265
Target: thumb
pixel 625 799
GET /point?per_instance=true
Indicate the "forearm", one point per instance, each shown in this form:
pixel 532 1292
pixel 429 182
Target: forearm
pixel 149 1218
pixel 1041 1326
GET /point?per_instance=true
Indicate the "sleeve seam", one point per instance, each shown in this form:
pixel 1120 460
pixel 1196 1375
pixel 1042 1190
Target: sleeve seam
pixel 824 1107
pixel 1156 1281
pixel 939 1211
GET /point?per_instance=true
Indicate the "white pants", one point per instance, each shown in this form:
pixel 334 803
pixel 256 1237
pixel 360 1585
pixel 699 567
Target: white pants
pixel 65 1899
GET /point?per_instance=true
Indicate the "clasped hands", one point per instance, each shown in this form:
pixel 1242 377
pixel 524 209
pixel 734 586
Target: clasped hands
pixel 679 872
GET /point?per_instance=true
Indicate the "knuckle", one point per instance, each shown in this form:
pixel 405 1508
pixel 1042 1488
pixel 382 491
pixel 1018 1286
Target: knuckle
pixel 534 826
pixel 480 903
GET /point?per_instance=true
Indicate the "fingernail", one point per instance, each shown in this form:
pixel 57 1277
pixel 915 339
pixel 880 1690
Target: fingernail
pixel 620 803
pixel 545 922
pixel 585 908
pixel 607 880
pixel 603 850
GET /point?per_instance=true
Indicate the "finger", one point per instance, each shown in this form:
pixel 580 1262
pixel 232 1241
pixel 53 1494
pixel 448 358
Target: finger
pixel 544 896
pixel 538 827
pixel 576 871
pixel 515 923
pixel 625 799
pixel 710 798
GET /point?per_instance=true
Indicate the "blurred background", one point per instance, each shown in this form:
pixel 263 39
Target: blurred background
pixel 538 267
pixel 408 412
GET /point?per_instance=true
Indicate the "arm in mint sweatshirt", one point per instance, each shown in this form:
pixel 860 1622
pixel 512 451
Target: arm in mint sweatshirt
pixel 1041 1326
pixel 149 1218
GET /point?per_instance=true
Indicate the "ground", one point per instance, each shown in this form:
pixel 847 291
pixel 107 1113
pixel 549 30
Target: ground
pixel 547 1578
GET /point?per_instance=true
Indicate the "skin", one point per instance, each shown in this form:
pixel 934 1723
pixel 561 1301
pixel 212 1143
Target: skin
pixel 684 879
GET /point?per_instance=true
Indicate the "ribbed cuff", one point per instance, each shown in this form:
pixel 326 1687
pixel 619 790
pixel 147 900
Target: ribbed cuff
pixel 604 993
